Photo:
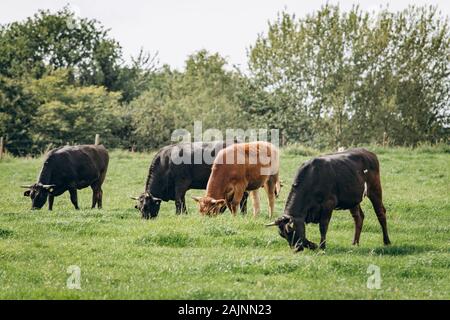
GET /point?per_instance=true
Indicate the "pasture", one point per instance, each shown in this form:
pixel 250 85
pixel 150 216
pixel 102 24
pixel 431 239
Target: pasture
pixel 191 257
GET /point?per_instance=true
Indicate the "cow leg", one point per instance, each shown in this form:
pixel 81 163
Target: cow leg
pixel 302 242
pixel 180 205
pixel 237 198
pixel 177 206
pixel 74 197
pixel 325 217
pixel 100 191
pixel 99 198
pixel 323 227
pixel 358 217
pixel 375 196
pixel 183 205
pixel 256 203
pixel 270 191
pixel 94 197
pixel 50 202
pixel 180 193
pixel 243 204
pixel 97 195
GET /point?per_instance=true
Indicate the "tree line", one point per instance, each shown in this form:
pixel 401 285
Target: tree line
pixel 328 79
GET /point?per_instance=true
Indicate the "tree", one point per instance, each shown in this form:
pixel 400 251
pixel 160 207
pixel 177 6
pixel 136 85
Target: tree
pixel 73 114
pixel 205 92
pixel 338 78
pixel 49 41
pixel 17 109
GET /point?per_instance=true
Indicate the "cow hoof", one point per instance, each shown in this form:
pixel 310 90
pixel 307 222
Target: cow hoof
pixel 312 246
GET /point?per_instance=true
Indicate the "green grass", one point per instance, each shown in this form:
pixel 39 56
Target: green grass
pixel 193 257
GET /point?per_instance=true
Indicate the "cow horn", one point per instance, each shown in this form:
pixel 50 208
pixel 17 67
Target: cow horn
pixel 196 198
pixel 157 199
pixel 271 224
pixel 134 198
pixel 48 186
pixel 26 187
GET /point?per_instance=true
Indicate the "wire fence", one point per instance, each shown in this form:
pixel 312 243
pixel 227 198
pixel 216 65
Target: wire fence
pixel 26 147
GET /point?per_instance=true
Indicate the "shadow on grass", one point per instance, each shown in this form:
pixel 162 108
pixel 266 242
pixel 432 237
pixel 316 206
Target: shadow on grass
pixel 393 250
pixel 4 233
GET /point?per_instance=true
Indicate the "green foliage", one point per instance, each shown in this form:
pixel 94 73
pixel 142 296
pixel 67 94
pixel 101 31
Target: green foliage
pixel 72 114
pixel 205 92
pixel 345 78
pixel 17 109
pixel 297 149
pixel 152 118
pixel 189 256
pixel 60 40
pixel 326 80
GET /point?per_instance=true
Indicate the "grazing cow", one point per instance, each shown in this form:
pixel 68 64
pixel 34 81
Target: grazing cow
pixel 238 168
pixel 70 168
pixel 175 169
pixel 335 181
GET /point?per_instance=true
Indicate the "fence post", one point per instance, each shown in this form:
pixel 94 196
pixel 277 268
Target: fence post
pixel 384 139
pixel 1 147
pixel 97 139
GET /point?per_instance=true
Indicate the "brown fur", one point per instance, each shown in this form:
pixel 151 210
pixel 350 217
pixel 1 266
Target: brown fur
pixel 239 168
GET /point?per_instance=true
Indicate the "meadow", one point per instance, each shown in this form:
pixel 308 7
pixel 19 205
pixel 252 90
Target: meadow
pixel 121 256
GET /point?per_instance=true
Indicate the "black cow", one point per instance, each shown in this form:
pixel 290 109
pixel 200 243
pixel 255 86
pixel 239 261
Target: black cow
pixel 70 168
pixel 335 181
pixel 175 169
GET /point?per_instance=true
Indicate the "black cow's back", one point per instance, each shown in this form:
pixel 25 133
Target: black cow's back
pixel 182 163
pixel 75 166
pixel 339 177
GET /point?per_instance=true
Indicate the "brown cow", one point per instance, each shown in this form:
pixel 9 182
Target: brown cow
pixel 238 168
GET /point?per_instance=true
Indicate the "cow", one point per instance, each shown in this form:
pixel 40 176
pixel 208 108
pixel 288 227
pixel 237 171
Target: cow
pixel 174 170
pixel 70 168
pixel 239 168
pixel 335 181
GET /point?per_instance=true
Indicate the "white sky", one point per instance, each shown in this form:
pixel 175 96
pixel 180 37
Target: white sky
pixel 176 29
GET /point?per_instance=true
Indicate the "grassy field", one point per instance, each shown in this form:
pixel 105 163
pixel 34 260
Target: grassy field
pixel 193 257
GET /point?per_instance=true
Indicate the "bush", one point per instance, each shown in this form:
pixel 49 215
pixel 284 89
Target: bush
pixel 297 149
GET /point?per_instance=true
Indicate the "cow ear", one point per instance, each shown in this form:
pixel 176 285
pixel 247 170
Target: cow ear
pixel 27 193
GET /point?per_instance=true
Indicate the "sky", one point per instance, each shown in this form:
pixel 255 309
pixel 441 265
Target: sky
pixel 176 29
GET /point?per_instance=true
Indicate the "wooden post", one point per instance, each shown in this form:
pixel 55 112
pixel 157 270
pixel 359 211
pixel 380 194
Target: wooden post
pixel 97 139
pixel 384 139
pixel 1 147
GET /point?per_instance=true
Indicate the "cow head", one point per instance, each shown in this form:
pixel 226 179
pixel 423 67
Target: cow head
pixel 148 205
pixel 210 206
pixel 38 193
pixel 286 229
